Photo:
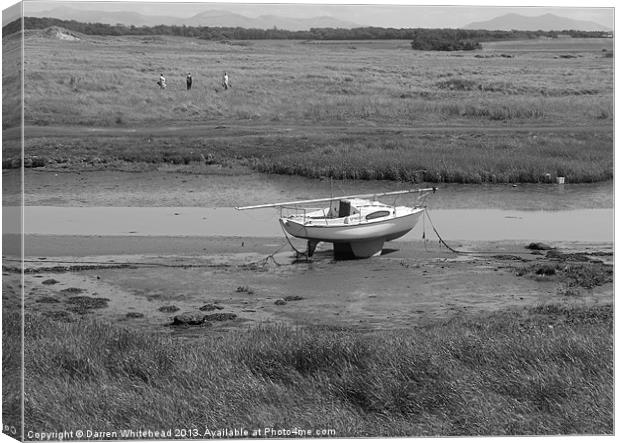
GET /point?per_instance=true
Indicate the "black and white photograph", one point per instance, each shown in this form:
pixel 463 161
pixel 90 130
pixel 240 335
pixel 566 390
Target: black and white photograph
pixel 300 220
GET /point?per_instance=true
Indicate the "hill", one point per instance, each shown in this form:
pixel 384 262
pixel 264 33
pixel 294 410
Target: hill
pixel 212 17
pixel 106 17
pixel 546 22
pixel 59 33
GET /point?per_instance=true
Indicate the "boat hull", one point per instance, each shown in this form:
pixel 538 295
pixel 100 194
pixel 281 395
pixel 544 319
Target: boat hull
pixel 360 240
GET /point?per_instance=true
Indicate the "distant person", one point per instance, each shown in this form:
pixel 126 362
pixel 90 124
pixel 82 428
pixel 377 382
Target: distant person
pixel 162 81
pixel 225 81
pixel 189 81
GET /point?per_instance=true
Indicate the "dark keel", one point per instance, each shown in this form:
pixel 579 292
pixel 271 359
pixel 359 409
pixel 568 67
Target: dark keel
pixel 350 251
pixel 343 251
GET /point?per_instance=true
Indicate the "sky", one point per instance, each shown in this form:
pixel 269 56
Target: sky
pixel 392 13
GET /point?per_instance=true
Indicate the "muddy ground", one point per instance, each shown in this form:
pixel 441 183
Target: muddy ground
pixel 147 282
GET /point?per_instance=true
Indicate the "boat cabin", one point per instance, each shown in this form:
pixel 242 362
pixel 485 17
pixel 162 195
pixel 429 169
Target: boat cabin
pixel 366 209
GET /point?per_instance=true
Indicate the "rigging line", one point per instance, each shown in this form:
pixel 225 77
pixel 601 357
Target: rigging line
pixel 299 253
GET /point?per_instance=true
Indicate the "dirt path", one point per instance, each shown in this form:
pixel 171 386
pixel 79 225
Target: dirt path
pixel 224 128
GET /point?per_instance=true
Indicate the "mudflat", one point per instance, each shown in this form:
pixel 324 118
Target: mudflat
pixel 145 282
pixel 146 279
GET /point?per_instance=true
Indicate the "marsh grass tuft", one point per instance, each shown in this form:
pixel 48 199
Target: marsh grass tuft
pixel 582 274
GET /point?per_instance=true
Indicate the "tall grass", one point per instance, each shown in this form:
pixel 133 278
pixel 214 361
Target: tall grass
pixel 356 154
pixel 12 385
pixel 546 370
pixel 449 159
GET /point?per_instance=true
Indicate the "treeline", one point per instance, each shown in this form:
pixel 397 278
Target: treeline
pixel 457 39
pixel 425 39
pixel 467 40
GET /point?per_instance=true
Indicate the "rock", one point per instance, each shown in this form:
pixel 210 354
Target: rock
pixel 280 302
pixel 50 281
pixel 72 291
pixel 210 307
pixel 538 247
pixel 509 257
pixel 220 316
pixel 188 319
pixel 171 308
pixel 134 315
pixel 293 298
pixel 574 256
pixel 47 300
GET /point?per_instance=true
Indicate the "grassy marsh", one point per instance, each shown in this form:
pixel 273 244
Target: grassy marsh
pixel 471 157
pixel 341 109
pixel 541 370
pixel 104 81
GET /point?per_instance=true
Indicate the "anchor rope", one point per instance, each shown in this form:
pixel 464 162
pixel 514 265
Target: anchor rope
pixel 441 240
pixel 456 251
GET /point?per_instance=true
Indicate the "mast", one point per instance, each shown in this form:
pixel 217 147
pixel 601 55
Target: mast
pixel 344 197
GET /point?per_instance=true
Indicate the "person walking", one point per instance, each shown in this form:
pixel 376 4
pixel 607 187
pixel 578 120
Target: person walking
pixel 162 81
pixel 225 81
pixel 189 81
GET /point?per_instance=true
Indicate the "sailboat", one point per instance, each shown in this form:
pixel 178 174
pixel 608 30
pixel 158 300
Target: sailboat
pixel 357 225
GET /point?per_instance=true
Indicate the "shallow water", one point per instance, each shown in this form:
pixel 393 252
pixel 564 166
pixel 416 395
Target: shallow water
pixel 452 224
pixel 220 187
pixel 182 203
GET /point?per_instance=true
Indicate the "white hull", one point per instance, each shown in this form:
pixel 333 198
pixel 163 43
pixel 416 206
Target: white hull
pixel 364 239
pixel 390 229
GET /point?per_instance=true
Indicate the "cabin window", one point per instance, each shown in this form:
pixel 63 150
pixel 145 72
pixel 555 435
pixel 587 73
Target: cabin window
pixel 377 214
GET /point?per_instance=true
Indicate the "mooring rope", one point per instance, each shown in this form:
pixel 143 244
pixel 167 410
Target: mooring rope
pixel 456 251
pixel 441 240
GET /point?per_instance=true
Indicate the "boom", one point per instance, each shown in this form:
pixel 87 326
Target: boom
pixel 316 200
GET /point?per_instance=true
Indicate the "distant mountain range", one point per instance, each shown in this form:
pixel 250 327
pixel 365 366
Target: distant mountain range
pixel 546 22
pixel 214 18
pixel 207 18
